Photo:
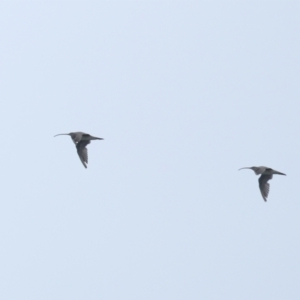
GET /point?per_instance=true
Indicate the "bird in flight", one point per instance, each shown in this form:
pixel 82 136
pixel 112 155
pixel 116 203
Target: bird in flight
pixel 266 175
pixel 81 140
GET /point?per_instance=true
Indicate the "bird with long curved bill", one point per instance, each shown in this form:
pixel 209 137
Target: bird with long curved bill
pixel 266 175
pixel 81 140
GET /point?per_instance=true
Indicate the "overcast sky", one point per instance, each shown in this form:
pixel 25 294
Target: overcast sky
pixel 184 94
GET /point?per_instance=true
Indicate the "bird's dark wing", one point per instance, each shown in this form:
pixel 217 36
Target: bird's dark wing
pixel 264 186
pixel 276 172
pixel 89 137
pixel 82 152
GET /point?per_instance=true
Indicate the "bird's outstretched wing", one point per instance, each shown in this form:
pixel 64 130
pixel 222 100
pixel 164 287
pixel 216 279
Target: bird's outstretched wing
pixel 82 152
pixel 276 172
pixel 264 186
pixel 86 136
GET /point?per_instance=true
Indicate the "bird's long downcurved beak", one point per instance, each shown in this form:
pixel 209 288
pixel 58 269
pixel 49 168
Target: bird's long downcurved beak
pixel 62 134
pixel 245 168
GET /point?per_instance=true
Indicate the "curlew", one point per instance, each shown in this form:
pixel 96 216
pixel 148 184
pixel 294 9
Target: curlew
pixel 81 140
pixel 266 175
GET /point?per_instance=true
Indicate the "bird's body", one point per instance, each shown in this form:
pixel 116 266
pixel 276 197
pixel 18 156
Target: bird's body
pixel 266 175
pixel 81 140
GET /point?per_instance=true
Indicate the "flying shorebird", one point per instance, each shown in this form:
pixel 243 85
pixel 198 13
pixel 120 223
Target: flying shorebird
pixel 266 175
pixel 81 140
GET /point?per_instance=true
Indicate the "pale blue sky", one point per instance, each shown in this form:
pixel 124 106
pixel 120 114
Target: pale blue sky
pixel 184 94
